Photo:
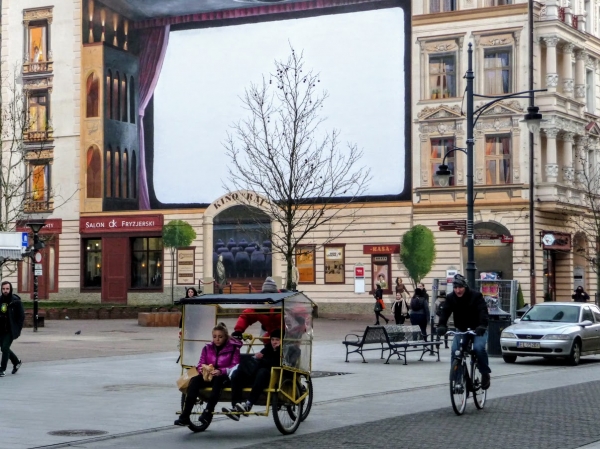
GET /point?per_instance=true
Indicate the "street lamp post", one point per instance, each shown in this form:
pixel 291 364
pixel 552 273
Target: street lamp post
pixel 35 226
pixel 533 119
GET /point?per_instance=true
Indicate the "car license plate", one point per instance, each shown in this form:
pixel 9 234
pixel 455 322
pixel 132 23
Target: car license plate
pixel 527 344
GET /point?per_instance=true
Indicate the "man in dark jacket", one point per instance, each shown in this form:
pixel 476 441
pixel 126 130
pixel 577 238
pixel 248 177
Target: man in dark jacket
pixel 12 317
pixel 470 312
pixel 580 295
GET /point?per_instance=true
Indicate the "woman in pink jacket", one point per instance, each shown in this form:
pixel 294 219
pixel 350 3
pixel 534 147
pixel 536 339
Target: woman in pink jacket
pixel 223 354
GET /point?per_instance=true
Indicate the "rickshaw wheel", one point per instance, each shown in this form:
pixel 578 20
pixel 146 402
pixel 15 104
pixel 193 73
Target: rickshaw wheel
pixel 287 415
pixel 305 383
pixel 196 425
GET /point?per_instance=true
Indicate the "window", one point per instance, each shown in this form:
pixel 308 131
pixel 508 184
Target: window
pixel 439 148
pixel 442 5
pixel 115 97
pixel 108 97
pixel 147 253
pixel 381 269
pixel 133 175
pixel 94 173
pixel 498 160
pixel 442 76
pixel 587 315
pixel 124 99
pixel 108 173
pixel 335 268
pixel 498 72
pixel 305 262
pixel 37 48
pixel 132 109
pixel 125 174
pixel 39 182
pixel 92 263
pixel 589 91
pixel 25 278
pixel 92 96
pixel 117 173
pixel 497 2
pixel 38 114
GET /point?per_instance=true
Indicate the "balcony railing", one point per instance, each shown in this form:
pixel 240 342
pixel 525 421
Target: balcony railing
pixel 37 67
pixel 38 136
pixel 32 206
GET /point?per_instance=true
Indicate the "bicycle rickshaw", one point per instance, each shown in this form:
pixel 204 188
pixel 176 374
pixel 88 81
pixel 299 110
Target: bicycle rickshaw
pixel 290 393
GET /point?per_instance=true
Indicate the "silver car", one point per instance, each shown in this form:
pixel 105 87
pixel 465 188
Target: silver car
pixel 554 329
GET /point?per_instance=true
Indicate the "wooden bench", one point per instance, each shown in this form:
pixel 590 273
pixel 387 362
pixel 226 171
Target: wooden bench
pixel 373 335
pixel 398 340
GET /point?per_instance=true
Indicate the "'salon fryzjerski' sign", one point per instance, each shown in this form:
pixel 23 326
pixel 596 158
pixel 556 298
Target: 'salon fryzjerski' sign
pixel 136 223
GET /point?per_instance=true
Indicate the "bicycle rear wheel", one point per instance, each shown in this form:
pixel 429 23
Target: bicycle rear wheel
pixel 458 387
pixel 479 394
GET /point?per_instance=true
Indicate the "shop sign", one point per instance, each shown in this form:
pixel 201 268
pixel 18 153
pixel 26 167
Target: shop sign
pixel 185 266
pixel 381 249
pixel 490 240
pixel 359 272
pixel 134 223
pixel 51 226
pixel 556 240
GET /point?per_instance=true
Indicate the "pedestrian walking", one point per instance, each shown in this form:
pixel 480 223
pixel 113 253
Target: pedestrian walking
pixel 379 305
pixel 580 295
pixel 419 309
pixel 400 309
pixel 12 317
pixel 401 288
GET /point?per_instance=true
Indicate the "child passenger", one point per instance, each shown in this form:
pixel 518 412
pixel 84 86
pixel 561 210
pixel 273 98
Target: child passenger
pixel 223 354
pixel 267 358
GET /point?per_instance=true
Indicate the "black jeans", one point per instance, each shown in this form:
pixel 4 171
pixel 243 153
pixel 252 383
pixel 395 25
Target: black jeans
pixel 419 319
pixel 240 380
pixel 5 342
pixel 196 384
pixel 379 314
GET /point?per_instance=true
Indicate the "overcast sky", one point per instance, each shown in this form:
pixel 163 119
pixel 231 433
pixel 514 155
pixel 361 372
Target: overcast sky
pixel 361 60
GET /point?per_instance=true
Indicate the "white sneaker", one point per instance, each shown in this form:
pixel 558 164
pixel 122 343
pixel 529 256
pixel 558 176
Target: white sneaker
pixel 229 413
pixel 243 408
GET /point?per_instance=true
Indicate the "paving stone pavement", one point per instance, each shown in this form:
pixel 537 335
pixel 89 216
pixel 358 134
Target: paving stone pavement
pixel 558 418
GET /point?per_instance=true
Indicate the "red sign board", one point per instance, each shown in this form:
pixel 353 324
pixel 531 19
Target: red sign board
pixel 51 226
pixel 133 223
pixel 381 249
pixel 454 223
pixel 359 272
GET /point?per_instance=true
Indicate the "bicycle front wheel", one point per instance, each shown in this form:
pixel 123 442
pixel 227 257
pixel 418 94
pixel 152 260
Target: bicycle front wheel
pixel 479 394
pixel 458 387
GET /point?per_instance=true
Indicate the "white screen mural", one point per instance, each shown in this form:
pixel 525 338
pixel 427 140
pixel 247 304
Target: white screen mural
pixel 360 57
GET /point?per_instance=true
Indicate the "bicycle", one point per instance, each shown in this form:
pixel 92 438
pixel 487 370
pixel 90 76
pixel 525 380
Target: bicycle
pixel 462 380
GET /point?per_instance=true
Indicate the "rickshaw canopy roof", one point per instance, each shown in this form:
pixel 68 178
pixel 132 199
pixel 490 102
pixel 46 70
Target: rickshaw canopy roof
pixel 255 299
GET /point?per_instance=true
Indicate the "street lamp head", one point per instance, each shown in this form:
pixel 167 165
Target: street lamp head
pixel 36 225
pixel 533 119
pixel 442 176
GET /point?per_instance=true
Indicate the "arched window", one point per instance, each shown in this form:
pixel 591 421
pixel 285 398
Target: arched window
pixel 133 168
pixel 108 95
pixel 124 102
pixel 132 108
pixel 115 97
pixel 108 173
pixel 92 89
pixel 125 174
pixel 117 172
pixel 94 173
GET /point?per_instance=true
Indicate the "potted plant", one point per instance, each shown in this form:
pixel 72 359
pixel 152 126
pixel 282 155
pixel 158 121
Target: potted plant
pixel 446 93
pixel 434 93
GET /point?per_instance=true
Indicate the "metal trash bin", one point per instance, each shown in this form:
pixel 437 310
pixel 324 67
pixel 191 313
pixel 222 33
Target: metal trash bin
pixel 499 320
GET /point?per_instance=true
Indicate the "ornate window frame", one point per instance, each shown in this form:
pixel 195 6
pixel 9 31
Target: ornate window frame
pixel 37 15
pixel 439 45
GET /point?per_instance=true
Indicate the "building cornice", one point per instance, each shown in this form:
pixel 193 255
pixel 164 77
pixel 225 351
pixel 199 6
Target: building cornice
pixel 470 14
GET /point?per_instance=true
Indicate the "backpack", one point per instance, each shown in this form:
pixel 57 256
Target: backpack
pixel 416 304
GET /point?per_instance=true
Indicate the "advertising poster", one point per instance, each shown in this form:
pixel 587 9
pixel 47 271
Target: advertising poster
pixel 185 266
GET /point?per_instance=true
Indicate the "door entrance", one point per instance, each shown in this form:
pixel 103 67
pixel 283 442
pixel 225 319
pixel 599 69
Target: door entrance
pixel 115 260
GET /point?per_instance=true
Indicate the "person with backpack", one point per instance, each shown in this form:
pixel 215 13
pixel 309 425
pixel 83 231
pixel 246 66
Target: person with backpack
pixel 419 309
pixel 12 317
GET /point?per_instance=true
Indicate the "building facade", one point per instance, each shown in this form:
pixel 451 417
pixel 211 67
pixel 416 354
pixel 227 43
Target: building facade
pixel 83 66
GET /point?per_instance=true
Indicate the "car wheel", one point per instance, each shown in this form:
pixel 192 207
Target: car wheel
pixel 508 358
pixel 575 355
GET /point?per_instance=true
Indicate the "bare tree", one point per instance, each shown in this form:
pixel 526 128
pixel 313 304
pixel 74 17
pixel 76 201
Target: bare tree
pixel 307 178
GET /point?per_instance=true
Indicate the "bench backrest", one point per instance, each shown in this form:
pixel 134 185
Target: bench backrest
pixel 374 334
pixel 400 333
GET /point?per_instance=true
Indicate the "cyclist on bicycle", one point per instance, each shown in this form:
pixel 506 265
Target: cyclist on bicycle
pixel 470 312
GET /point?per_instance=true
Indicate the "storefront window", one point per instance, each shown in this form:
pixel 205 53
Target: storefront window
pixel 146 262
pixel 335 264
pixel 549 275
pixel 25 275
pixel 305 262
pixel 92 263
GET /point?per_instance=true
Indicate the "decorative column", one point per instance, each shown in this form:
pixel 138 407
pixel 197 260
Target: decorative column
pixel 551 168
pixel 580 57
pixel 567 170
pixel 207 240
pixel 551 73
pixel 567 70
pixel 580 156
pixel 552 9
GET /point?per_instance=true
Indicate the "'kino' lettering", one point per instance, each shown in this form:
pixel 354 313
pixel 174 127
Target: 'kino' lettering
pixel 246 197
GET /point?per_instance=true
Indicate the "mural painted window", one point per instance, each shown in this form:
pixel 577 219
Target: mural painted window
pixel 38 113
pixel 146 265
pixel 108 95
pixel 108 173
pixel 381 272
pixel 116 97
pixel 442 76
pixel 498 160
pixel 123 101
pixel 39 182
pixel 92 95
pixel 125 176
pixel 117 173
pixel 335 264
pixel 439 148
pixel 92 263
pixel 498 71
pixel 442 5
pixel 37 47
pixel 306 264
pixel 94 173
pixel 133 167
pixel 132 109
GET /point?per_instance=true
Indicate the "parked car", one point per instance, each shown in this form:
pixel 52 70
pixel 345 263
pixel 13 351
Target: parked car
pixel 558 329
